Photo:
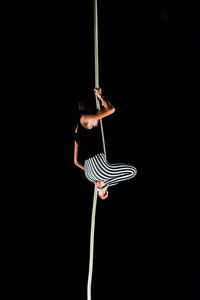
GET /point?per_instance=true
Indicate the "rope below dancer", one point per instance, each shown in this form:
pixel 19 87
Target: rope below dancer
pixel 95 165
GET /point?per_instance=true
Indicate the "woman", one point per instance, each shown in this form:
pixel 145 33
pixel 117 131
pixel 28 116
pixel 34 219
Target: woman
pixel 88 139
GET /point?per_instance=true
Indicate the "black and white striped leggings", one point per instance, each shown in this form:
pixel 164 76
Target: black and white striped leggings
pixel 97 168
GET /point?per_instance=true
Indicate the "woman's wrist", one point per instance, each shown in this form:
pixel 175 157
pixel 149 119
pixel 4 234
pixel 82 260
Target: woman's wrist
pixel 102 98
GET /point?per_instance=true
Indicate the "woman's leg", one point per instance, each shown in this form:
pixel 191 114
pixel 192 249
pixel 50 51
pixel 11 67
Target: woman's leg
pixel 117 172
pixel 97 168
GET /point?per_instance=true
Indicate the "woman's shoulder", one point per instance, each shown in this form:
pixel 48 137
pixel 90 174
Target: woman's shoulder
pixel 83 122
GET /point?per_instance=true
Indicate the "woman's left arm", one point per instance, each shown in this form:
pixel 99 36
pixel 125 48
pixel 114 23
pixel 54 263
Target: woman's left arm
pixel 76 146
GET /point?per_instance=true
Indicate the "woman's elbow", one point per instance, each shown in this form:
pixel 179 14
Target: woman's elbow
pixel 112 110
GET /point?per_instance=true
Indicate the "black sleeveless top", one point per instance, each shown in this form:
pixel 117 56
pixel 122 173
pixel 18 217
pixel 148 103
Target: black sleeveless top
pixel 89 141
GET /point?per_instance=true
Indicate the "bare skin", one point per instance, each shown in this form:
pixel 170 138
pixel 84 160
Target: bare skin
pixel 100 184
pixel 103 195
pixel 89 121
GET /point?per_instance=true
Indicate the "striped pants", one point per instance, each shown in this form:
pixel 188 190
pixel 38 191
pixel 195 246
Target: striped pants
pixel 97 168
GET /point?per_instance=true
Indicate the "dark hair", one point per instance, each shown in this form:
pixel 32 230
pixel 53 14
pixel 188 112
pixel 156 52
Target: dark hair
pixel 82 108
pixel 86 107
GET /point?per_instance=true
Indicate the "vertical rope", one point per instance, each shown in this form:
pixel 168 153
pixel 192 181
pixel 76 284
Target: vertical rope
pixel 96 58
pixel 89 285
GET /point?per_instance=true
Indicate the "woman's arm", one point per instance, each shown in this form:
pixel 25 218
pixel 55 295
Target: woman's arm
pixel 76 146
pixel 107 109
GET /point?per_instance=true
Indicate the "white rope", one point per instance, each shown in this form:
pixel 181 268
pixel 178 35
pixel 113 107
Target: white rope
pixel 91 245
pixel 89 283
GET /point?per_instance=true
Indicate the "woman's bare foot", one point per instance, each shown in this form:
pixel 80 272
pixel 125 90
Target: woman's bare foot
pixel 104 194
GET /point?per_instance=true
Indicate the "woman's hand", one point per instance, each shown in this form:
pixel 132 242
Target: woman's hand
pixel 98 92
pixel 104 194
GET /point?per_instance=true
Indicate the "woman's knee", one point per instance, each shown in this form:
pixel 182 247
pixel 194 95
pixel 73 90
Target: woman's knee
pixel 133 172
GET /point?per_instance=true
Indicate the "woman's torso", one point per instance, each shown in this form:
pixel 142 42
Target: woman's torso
pixel 89 141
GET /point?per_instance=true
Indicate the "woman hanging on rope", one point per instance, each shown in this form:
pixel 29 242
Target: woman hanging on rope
pixel 88 140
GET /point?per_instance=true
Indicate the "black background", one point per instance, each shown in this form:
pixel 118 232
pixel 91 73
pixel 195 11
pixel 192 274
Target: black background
pixel 146 237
